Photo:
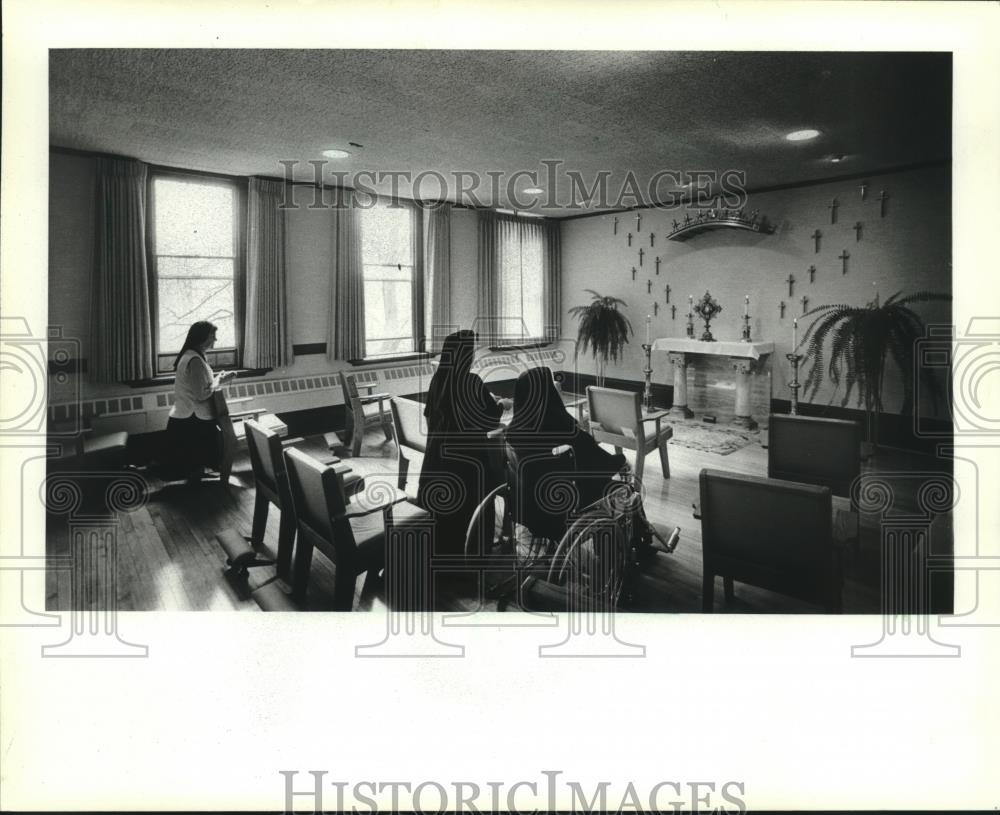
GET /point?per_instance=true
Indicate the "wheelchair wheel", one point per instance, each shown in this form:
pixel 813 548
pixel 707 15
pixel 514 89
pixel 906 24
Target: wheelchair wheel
pixel 592 559
pixel 489 529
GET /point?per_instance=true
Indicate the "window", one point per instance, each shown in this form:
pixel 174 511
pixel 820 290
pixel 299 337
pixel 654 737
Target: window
pixel 387 253
pixel 195 262
pixel 521 295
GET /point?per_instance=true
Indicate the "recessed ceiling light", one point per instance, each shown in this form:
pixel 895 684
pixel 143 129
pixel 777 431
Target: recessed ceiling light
pixel 534 191
pixel 802 135
pixel 336 153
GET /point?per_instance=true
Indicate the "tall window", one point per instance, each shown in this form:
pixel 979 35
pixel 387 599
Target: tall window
pixel 390 281
pixel 195 240
pixel 521 291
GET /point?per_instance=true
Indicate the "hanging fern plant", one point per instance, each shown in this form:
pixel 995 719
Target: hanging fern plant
pixel 862 339
pixel 603 330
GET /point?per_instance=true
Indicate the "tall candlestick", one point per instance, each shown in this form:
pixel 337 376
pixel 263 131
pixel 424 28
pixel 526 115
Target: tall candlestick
pixel 648 320
pixel 746 305
pixel 795 335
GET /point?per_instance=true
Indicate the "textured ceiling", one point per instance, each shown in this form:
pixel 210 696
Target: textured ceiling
pixel 243 111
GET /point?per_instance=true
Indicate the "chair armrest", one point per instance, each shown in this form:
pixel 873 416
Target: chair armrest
pixel 375 397
pixel 562 450
pixel 655 415
pixel 385 497
pixel 247 414
pixel 370 386
pixel 242 400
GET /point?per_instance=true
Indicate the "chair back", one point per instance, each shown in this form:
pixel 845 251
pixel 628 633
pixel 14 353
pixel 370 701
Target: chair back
pixel 267 462
pixel 542 487
pixel 349 387
pixel 615 416
pixel 811 450
pixel 318 501
pixel 408 421
pixel 770 533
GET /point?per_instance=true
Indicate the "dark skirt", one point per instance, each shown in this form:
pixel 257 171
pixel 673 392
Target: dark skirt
pixel 190 445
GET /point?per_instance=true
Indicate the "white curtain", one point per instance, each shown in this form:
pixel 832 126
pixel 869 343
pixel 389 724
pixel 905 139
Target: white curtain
pixel 122 328
pixel 267 338
pixel 437 274
pixel 346 338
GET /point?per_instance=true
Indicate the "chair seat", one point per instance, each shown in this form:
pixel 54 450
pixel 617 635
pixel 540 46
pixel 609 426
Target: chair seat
pixel 369 531
pixel 372 411
pixel 110 442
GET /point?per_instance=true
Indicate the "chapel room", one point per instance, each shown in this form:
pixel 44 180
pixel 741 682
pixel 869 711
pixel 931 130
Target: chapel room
pixel 394 331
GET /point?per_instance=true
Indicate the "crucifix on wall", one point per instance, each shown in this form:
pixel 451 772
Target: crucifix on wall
pixel 812 274
pixel 857 230
pixel 816 236
pixel 781 309
pixel 832 206
pixel 790 280
pixel 651 236
pixel 844 256
pixel 633 273
pixel 615 228
pixel 649 287
pixel 673 312
pixel 656 308
pixel 641 252
pixel 666 291
pixel 629 238
pixel 657 264
pixel 864 190
pixel 882 198
pixel 805 304
pixel 638 222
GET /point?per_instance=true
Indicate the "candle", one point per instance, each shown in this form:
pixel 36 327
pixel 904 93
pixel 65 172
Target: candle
pixel 795 335
pixel 746 306
pixel 648 320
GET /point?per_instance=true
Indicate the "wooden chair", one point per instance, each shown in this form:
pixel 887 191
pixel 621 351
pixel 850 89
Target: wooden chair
pixel 616 418
pixel 271 488
pixel 233 432
pixel 768 533
pixel 363 411
pixel 410 432
pixel 323 519
pixel 104 452
pixel 810 450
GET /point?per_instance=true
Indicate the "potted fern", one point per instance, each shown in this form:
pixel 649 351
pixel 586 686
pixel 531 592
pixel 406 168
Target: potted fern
pixel 862 340
pixel 603 330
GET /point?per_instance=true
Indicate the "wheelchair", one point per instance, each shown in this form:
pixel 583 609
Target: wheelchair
pixel 532 526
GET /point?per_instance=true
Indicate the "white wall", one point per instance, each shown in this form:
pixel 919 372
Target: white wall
pixel 908 250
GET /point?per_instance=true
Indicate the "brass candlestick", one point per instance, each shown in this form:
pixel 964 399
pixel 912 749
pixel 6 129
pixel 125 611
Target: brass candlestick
pixel 794 384
pixel 746 328
pixel 647 393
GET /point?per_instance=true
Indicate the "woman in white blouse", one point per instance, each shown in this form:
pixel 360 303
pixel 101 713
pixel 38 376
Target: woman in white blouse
pixel 194 440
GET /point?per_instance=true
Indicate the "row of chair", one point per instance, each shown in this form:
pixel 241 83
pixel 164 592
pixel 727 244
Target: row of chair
pixel 317 497
pixel 778 532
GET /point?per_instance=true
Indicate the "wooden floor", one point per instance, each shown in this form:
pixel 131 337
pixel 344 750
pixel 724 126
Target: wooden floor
pixel 168 558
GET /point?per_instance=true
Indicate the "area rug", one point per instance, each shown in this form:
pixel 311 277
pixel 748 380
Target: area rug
pixel 720 440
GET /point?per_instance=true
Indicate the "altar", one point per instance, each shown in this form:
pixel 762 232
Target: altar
pixel 746 364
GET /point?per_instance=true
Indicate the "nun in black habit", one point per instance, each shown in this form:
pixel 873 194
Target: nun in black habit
pixel 457 471
pixel 541 423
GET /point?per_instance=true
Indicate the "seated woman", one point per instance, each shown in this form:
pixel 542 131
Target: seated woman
pixel 541 423
pixel 193 437
pixel 457 472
